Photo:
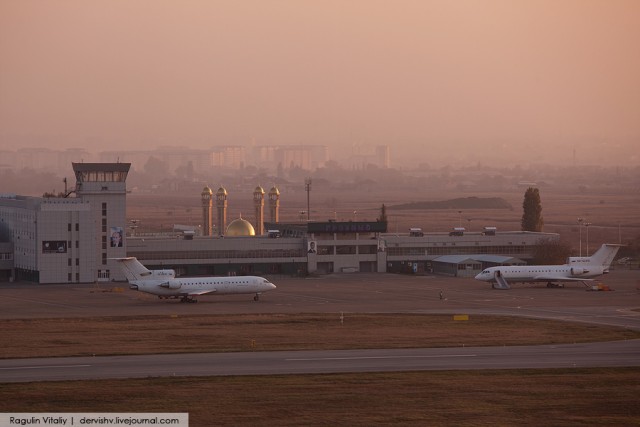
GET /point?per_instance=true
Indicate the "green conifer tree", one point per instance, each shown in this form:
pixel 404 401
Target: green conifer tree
pixel 532 211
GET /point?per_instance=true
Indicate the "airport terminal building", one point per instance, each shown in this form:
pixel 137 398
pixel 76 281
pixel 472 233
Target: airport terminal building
pixel 73 239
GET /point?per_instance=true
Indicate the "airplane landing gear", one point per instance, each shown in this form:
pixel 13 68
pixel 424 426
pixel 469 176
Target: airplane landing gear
pixel 186 299
pixel 256 297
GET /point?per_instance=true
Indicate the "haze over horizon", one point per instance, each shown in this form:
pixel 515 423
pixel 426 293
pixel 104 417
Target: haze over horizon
pixel 431 79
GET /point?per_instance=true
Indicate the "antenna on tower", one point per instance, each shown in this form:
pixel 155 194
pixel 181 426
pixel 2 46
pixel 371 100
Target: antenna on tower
pixel 67 193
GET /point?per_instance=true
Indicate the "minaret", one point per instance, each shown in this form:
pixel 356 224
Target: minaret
pixel 221 205
pixel 274 205
pixel 207 211
pixel 258 203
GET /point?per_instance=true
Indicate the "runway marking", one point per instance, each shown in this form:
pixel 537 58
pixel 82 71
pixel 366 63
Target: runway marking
pixel 628 312
pixel 379 357
pixel 16 368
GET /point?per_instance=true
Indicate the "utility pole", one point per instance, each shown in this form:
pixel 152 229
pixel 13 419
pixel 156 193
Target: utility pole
pixel 580 233
pixel 307 187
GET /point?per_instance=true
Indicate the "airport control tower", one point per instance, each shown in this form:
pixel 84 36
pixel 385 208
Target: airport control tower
pixel 103 186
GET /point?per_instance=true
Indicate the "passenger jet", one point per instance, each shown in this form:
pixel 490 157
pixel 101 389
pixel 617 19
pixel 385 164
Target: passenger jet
pixel 164 283
pixel 577 269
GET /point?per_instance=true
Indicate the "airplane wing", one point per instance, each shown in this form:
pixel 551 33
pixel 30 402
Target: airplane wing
pixel 202 292
pixel 560 279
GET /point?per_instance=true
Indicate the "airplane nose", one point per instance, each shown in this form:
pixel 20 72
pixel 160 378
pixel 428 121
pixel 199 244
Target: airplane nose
pixel 272 286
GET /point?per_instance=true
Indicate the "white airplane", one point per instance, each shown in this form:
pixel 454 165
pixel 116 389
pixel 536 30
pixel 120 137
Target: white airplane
pixel 577 269
pixel 164 283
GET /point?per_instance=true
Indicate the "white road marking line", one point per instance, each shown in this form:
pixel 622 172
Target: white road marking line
pixel 380 357
pixel 11 368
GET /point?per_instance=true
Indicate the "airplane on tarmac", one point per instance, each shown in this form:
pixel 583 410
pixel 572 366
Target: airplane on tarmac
pixel 165 284
pixel 577 269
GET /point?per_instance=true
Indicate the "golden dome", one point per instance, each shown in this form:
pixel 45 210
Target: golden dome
pixel 259 190
pixel 274 190
pixel 221 190
pixel 240 227
pixel 206 190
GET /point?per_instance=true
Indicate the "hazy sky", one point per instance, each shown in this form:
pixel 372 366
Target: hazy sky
pixel 426 77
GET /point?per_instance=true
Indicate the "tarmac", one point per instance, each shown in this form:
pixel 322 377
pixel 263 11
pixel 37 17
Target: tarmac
pixel 345 293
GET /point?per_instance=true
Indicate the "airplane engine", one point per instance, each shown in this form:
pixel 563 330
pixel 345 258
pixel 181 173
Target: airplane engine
pixel 578 271
pixel 172 284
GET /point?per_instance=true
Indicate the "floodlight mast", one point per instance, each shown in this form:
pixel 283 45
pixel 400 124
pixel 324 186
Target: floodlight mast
pixel 580 233
pixel 307 187
pixel 587 224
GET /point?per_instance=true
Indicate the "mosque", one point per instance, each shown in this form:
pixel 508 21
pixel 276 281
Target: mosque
pixel 75 239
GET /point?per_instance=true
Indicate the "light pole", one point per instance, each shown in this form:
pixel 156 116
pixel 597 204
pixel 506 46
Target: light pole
pixel 307 187
pixel 580 232
pixel 587 224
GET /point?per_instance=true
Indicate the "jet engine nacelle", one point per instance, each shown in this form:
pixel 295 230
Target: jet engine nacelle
pixel 578 271
pixel 172 284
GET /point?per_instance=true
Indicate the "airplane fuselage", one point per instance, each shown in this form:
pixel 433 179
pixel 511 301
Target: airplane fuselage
pixel 540 273
pixel 176 287
pixel 577 269
pixel 165 284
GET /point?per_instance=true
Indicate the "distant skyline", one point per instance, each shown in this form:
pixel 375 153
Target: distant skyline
pixel 528 81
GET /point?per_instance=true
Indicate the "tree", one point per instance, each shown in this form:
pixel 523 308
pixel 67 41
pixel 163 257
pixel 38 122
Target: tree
pixel 532 211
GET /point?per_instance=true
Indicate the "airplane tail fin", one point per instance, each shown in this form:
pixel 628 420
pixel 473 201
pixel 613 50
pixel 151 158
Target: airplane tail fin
pixel 604 256
pixel 132 268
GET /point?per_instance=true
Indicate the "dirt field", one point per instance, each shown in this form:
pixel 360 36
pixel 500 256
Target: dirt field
pixel 506 397
pixel 271 332
pixel 559 397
